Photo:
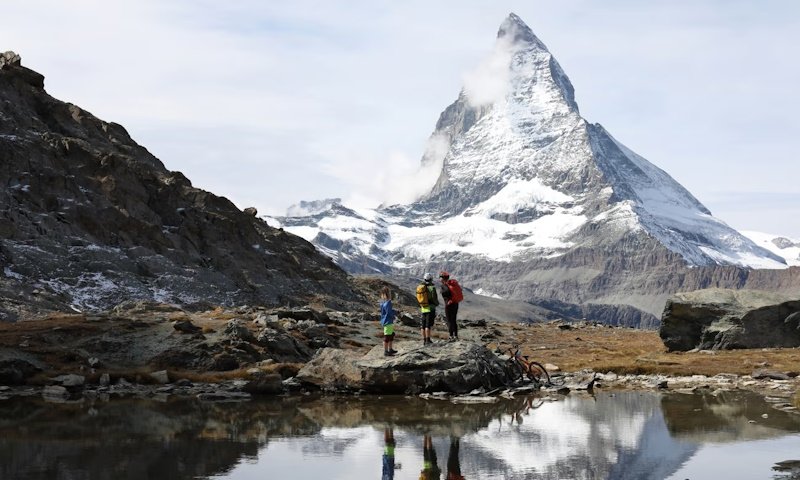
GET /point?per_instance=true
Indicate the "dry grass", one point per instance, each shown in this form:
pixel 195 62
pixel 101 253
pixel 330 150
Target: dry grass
pixel 629 351
pixel 285 370
pixel 209 377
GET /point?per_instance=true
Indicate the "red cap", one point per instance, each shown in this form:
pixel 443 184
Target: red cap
pixel 444 274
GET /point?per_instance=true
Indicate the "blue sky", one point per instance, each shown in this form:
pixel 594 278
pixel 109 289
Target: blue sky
pixel 270 103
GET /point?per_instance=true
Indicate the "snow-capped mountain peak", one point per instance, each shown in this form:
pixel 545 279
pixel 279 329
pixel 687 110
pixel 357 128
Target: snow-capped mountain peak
pixel 527 185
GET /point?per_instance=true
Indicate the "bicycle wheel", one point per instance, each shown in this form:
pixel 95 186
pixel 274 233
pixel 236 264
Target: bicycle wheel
pixel 537 373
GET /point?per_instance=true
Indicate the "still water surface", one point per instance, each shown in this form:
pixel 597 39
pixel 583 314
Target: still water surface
pixel 624 435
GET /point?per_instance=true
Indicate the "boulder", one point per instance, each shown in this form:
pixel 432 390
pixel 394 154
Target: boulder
pixel 185 326
pixel 715 319
pixel 457 367
pixel 224 362
pixel 281 346
pixel 160 376
pixel 236 330
pixel 17 366
pixel 70 380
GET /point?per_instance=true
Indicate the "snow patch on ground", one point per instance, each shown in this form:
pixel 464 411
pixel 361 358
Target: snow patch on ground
pixel 486 293
pixel 12 274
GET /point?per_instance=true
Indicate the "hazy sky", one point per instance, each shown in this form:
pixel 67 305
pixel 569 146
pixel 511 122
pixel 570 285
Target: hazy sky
pixel 273 102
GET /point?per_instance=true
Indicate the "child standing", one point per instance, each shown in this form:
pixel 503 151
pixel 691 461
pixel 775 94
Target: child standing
pixel 387 322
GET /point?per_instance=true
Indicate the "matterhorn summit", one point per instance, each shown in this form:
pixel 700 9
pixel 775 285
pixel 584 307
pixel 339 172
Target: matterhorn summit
pixel 534 203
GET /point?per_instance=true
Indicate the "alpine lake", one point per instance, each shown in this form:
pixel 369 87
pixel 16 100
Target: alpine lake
pixel 608 435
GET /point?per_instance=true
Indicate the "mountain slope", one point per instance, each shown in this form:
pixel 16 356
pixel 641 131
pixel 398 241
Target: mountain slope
pixel 89 218
pixel 535 203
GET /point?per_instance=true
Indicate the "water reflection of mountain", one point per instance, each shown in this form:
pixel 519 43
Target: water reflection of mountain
pixel 627 435
pixel 620 436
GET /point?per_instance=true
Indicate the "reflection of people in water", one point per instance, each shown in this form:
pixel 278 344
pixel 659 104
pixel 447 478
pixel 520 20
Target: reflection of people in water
pixel 430 468
pixel 453 462
pixel 388 454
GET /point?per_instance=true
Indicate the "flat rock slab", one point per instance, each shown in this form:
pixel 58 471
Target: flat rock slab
pixel 454 367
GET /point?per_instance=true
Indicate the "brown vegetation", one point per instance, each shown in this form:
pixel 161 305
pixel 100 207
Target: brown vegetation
pixel 630 351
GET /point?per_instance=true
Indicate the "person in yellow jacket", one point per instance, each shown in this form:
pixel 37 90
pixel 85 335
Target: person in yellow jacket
pixel 428 300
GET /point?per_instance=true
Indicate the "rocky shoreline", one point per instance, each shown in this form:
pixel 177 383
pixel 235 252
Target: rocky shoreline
pixel 777 389
pixel 780 394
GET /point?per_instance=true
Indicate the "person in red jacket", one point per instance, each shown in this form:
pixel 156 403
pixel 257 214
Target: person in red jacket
pixel 451 292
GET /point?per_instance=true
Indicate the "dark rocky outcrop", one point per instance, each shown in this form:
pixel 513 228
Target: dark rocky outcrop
pixel 456 367
pixel 729 319
pixel 89 218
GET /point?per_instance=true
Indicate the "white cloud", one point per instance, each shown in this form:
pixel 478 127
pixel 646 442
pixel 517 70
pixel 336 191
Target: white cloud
pixel 488 83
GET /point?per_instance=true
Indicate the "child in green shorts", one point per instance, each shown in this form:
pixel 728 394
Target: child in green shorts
pixel 387 321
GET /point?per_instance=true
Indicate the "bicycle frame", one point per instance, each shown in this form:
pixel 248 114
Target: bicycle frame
pixel 535 371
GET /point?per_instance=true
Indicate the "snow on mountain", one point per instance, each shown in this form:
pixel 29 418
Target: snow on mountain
pixel 667 211
pixel 788 248
pixel 524 173
pixel 313 207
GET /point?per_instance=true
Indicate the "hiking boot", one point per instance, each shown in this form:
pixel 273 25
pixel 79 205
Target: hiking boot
pixel 393 351
pixel 388 353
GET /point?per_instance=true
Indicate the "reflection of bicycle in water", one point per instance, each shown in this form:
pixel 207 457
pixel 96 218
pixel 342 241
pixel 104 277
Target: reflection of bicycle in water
pixel 519 367
pixel 524 406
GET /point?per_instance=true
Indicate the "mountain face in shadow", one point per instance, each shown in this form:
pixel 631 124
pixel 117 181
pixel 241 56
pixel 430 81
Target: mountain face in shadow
pixel 89 218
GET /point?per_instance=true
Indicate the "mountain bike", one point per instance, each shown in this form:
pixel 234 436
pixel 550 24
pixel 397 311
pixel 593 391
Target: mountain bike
pixel 519 365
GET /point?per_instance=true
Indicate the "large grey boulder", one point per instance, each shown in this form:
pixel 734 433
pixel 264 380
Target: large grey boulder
pixel 457 367
pixel 16 366
pixel 718 319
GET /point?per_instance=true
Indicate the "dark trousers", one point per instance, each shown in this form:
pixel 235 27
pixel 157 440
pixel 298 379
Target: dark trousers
pixel 428 318
pixel 451 312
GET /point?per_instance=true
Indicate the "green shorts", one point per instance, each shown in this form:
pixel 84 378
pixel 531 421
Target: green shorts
pixel 388 330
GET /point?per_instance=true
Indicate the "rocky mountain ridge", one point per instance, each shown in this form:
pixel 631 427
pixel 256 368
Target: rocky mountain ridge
pixel 89 218
pixel 535 203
